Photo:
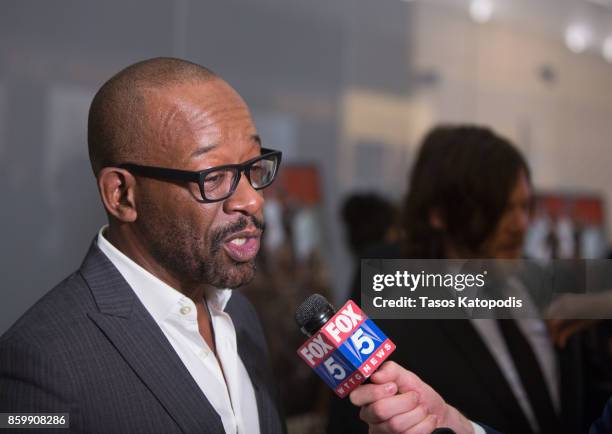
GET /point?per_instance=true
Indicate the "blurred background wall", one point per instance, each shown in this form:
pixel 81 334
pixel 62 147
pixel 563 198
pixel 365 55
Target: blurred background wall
pixel 347 87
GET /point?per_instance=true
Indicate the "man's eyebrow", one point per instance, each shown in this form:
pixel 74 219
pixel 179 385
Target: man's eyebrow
pixel 203 150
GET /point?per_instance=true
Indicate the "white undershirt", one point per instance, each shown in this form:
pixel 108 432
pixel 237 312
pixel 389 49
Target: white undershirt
pixel 232 396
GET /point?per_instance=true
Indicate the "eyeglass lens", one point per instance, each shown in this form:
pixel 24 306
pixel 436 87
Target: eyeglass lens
pixel 220 183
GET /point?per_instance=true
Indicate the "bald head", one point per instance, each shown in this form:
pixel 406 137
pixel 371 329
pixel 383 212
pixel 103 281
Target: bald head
pixel 118 118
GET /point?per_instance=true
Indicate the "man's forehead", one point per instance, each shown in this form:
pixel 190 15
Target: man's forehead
pixel 191 118
pixel 202 95
pixel 204 149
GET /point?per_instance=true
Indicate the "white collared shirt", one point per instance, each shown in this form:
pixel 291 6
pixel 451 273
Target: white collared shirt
pixel 232 396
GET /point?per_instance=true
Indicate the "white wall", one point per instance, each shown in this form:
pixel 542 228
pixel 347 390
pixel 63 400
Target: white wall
pixel 490 74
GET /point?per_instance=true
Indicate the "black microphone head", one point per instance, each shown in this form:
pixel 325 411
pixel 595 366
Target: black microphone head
pixel 313 313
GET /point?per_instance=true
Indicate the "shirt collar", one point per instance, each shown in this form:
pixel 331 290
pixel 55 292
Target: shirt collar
pixel 158 297
pixel 218 298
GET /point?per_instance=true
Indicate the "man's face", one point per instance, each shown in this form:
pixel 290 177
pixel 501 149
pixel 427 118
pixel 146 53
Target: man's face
pixel 507 239
pixel 195 127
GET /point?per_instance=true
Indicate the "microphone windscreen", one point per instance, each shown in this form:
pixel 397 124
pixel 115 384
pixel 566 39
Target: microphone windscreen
pixel 343 347
pixel 311 309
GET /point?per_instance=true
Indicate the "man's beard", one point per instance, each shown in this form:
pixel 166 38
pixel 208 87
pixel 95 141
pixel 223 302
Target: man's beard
pixel 196 261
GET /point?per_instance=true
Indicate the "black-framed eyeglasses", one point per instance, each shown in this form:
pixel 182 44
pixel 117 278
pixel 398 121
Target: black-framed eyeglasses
pixel 220 182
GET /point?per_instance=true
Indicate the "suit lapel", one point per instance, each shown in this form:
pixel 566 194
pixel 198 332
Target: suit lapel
pixel 249 353
pixel 133 332
pixel 257 380
pixel 467 340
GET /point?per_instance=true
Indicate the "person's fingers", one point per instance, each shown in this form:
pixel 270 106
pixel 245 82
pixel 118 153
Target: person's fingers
pixel 424 427
pixel 392 372
pixel 389 371
pixel 409 422
pixel 407 381
pixel 387 408
pixel 368 393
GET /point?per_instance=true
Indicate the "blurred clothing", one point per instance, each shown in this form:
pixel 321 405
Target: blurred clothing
pixel 603 425
pixel 493 339
pixel 536 333
pixel 454 358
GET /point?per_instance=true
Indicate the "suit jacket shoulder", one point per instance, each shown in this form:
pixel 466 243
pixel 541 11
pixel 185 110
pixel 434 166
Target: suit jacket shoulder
pixel 91 349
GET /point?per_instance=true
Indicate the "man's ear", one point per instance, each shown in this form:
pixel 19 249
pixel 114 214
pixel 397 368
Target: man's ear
pixel 117 189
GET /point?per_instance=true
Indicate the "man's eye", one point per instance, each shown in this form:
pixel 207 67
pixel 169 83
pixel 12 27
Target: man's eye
pixel 214 180
pixel 257 170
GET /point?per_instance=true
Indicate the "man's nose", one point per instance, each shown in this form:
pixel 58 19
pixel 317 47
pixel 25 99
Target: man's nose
pixel 245 199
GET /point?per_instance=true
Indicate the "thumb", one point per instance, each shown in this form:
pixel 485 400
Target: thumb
pixel 405 380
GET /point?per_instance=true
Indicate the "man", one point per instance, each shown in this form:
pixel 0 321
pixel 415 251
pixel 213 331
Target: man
pixel 147 335
pixel 470 197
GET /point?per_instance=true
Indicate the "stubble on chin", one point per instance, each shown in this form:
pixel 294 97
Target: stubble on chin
pixel 186 258
pixel 191 258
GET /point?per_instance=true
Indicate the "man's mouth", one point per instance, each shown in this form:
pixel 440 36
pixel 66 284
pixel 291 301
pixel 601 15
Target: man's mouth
pixel 238 241
pixel 243 246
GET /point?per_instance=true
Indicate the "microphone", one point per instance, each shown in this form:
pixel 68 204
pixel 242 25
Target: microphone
pixel 344 347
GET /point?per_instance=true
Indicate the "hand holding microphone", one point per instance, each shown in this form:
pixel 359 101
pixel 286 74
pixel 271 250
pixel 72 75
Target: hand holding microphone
pixel 345 348
pixel 398 401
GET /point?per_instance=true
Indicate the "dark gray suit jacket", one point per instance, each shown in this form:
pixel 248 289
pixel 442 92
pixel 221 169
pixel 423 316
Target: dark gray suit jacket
pixel 90 348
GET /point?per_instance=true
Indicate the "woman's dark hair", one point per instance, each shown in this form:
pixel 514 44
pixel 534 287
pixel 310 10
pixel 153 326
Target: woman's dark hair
pixel 463 174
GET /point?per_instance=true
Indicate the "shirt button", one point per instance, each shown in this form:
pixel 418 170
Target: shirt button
pixel 185 310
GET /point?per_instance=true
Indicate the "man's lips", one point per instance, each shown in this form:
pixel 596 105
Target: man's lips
pixel 243 246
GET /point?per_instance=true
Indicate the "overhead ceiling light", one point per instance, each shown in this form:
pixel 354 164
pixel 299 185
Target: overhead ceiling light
pixel 577 38
pixel 481 10
pixel 606 49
